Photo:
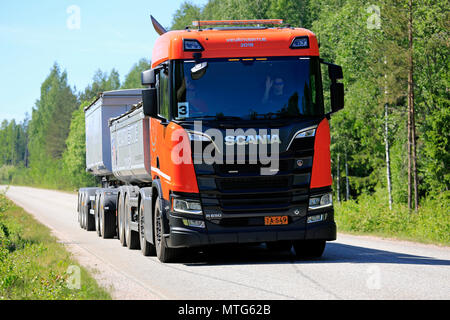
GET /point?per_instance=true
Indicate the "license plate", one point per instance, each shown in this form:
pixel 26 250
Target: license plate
pixel 275 220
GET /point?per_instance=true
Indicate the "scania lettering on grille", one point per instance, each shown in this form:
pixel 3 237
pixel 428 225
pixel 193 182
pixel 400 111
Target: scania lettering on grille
pixel 252 139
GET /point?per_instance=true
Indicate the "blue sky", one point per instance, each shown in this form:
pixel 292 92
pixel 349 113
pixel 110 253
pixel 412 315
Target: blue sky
pixel 35 34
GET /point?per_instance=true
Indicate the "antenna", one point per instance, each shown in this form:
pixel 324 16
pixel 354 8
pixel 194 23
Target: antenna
pixel 158 27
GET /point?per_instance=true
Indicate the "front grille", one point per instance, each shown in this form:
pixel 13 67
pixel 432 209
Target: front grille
pixel 276 182
pixel 244 196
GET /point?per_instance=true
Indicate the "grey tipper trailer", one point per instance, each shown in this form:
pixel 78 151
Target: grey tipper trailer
pixel 97 206
pixel 108 105
pixel 130 147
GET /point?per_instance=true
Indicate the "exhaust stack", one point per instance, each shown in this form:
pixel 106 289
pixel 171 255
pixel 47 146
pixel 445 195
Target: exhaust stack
pixel 158 27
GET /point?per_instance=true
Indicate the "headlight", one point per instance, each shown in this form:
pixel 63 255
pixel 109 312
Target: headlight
pixel 310 132
pixel 319 202
pixel 303 133
pixel 197 136
pixel 186 206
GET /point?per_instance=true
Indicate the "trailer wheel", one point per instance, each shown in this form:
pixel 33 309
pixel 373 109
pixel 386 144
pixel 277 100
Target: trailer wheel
pixel 97 214
pixel 120 215
pixel 81 211
pixel 147 248
pixel 79 208
pixel 84 212
pixel 309 248
pixel 163 253
pixel 107 222
pixel 132 237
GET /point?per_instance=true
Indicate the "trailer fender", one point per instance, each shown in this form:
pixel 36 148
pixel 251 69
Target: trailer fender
pixel 146 197
pixel 90 199
pixel 109 201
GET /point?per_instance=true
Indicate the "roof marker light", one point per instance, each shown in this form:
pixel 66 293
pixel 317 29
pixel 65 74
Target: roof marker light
pixel 192 45
pixel 300 43
pixel 236 22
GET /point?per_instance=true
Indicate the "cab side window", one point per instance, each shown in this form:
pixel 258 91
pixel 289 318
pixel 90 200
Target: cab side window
pixel 164 93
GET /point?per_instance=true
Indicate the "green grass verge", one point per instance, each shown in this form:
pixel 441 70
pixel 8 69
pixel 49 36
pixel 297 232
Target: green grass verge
pixel 371 215
pixel 33 265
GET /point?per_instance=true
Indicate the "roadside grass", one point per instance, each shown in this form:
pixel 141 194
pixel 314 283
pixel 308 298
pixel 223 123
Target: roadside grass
pixel 55 180
pixel 34 266
pixel 371 215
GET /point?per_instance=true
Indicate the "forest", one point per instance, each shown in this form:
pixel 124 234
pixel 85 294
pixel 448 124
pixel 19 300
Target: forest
pixel 390 144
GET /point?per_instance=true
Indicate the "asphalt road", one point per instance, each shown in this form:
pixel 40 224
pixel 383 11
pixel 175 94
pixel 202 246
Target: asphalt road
pixel 353 267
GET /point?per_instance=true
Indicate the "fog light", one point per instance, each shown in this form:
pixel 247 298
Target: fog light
pixel 194 223
pixel 316 218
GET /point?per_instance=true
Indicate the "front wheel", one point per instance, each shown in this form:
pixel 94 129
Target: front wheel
pixel 163 253
pixel 309 248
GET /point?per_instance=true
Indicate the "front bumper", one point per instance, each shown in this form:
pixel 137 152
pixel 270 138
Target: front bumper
pixel 181 236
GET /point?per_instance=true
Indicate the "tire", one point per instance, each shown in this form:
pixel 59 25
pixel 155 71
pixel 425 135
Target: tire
pixel 107 222
pixel 79 208
pixel 132 237
pixel 309 248
pixel 120 225
pixel 81 212
pixel 97 215
pixel 147 248
pixel 279 246
pixel 163 253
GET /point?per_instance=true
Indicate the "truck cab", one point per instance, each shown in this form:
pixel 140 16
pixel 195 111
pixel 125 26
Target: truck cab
pixel 239 139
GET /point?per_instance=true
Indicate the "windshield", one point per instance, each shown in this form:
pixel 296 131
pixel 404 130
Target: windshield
pixel 249 88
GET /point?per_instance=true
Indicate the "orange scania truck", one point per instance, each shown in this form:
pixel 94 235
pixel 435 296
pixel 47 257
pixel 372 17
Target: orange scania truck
pixel 229 143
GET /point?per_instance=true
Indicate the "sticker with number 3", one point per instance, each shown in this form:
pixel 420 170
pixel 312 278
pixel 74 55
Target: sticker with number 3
pixel 183 109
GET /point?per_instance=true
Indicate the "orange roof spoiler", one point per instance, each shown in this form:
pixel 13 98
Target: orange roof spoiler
pixel 199 23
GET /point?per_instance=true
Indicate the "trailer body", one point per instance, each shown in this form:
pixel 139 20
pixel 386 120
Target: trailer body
pixel 98 142
pixel 130 147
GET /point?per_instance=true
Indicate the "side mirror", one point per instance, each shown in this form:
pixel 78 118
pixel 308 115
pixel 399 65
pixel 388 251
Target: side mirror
pixel 148 77
pixel 335 72
pixel 149 102
pixel 337 96
pixel 336 88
